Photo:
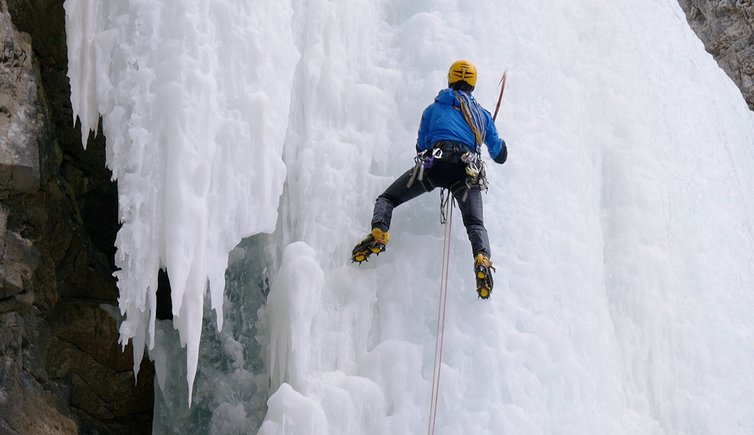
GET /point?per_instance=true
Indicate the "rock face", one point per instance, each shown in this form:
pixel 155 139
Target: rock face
pixel 19 114
pixel 726 27
pixel 61 369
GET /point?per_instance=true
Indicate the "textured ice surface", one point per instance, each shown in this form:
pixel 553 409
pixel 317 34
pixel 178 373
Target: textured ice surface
pixel 621 227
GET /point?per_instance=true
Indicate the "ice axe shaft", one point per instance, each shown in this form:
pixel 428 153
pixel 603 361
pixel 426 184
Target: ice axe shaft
pixel 500 98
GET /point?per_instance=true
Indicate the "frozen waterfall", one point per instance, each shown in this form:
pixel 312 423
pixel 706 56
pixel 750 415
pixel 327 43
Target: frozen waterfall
pixel 249 141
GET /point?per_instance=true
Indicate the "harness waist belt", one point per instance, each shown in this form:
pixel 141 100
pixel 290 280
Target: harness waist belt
pixel 451 147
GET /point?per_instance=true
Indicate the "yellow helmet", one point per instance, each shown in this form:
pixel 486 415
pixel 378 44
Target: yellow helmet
pixel 462 70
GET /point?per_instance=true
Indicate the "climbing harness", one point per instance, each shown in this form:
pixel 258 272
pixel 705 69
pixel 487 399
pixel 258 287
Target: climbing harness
pixel 441 317
pixel 476 174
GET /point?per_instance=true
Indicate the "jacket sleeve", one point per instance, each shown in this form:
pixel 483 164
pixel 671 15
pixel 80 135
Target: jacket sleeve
pixel 495 144
pixel 421 139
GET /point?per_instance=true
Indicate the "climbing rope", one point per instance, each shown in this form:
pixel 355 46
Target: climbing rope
pixel 441 315
pixel 473 115
pixel 473 118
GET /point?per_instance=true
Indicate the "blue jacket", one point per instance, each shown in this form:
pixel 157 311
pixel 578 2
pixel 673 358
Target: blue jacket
pixel 444 121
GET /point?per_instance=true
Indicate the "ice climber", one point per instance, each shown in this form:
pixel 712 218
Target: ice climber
pixel 448 147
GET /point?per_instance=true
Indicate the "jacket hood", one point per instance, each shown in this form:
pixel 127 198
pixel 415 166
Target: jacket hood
pixel 446 96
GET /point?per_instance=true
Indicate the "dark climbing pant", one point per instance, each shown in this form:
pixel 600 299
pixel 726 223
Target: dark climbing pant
pixel 444 173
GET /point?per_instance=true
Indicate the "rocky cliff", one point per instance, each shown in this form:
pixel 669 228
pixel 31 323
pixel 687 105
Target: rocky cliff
pixel 61 369
pixel 726 27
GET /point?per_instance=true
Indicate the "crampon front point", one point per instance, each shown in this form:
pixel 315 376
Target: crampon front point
pixel 483 273
pixel 374 243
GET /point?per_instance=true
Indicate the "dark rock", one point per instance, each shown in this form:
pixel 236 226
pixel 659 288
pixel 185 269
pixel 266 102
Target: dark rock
pixel 62 369
pixel 726 27
pixel 88 336
pixel 22 123
pixel 25 405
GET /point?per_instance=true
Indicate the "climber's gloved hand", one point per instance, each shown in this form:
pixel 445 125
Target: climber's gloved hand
pixel 502 156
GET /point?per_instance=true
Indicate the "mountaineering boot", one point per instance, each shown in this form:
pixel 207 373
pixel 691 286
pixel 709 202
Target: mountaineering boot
pixel 483 272
pixel 374 243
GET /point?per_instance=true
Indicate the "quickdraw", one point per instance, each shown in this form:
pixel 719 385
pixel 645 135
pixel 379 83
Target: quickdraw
pixel 418 171
pixel 476 172
pixel 445 198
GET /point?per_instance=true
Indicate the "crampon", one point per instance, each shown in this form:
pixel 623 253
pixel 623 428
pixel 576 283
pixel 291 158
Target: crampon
pixel 374 243
pixel 483 273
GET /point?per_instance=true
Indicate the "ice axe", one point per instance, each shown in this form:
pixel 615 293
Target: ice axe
pixel 500 98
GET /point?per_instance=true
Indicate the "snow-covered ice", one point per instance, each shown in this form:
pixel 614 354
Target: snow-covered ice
pixel 621 226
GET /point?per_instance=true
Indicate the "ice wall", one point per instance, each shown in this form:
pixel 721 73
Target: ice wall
pixel 192 95
pixel 620 227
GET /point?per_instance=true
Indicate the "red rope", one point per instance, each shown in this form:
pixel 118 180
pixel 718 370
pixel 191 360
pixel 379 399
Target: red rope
pixel 440 321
